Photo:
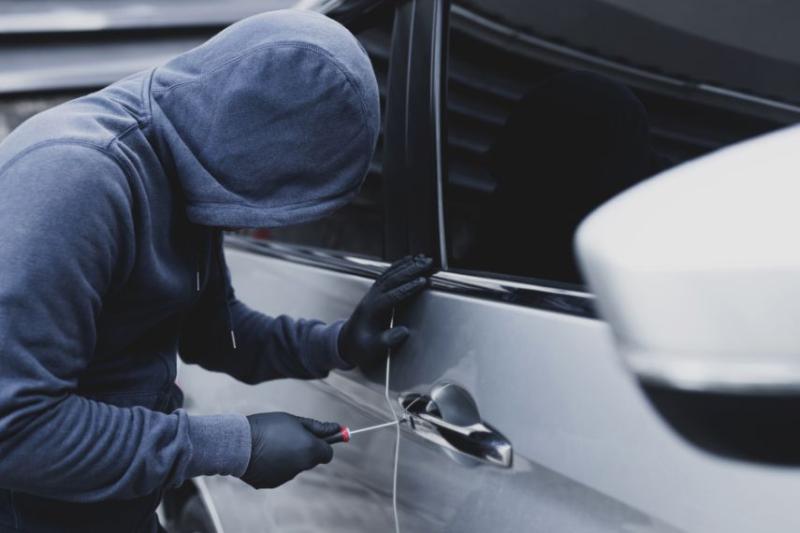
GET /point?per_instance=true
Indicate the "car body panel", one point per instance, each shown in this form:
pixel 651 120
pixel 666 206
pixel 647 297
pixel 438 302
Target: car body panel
pixel 349 494
pixel 590 453
pixel 555 387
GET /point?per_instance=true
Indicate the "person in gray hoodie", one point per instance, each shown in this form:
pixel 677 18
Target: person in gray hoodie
pixel 111 211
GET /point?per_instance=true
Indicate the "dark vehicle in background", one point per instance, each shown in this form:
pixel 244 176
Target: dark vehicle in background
pixel 504 124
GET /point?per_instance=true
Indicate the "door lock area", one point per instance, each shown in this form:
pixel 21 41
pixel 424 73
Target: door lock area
pixel 450 418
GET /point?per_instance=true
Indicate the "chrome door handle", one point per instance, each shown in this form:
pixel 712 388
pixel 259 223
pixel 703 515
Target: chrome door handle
pixel 464 433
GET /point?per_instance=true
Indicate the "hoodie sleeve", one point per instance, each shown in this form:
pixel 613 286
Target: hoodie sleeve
pixel 266 347
pixel 66 236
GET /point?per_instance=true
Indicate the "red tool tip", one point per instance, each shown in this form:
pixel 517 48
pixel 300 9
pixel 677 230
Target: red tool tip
pixel 343 435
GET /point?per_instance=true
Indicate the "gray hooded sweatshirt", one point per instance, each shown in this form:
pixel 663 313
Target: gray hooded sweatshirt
pixel 110 262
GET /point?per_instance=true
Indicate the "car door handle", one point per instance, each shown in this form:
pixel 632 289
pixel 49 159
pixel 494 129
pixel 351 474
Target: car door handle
pixel 450 419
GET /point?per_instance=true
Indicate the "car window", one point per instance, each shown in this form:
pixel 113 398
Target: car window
pixel 538 134
pixel 747 45
pixel 358 227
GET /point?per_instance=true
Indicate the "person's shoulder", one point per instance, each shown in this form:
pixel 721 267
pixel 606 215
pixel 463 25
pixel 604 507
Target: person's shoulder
pixel 59 171
pixel 74 123
pixel 93 122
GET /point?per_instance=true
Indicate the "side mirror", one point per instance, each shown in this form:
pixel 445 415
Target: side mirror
pixel 697 271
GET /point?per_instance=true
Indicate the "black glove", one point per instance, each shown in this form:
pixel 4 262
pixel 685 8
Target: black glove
pixel 365 337
pixel 284 445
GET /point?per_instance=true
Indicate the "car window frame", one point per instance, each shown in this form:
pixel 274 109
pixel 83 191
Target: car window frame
pixel 539 294
pixel 412 149
pixel 545 294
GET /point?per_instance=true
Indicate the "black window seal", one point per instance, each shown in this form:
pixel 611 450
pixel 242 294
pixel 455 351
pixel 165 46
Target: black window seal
pixel 411 162
pixel 540 294
pixel 564 300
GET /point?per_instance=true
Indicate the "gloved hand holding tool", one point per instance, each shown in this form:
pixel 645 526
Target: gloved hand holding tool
pixel 366 337
pixel 284 445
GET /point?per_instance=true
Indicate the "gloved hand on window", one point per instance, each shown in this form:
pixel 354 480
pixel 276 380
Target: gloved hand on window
pixel 284 445
pixel 366 337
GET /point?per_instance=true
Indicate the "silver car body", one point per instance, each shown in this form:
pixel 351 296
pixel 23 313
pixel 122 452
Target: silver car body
pixel 589 452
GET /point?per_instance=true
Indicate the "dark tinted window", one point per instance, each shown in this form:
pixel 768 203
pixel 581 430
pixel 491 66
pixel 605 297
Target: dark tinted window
pixel 751 46
pixel 538 134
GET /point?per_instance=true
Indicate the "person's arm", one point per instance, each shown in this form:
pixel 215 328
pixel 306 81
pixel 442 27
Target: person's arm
pixel 66 240
pixel 266 347
pixel 283 347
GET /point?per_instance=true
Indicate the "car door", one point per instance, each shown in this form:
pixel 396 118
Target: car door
pixel 514 336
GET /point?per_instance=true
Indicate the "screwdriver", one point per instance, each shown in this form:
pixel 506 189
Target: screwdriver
pixel 344 433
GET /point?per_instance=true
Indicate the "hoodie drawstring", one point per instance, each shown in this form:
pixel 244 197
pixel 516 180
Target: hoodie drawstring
pixel 216 243
pixel 197 278
pixel 223 286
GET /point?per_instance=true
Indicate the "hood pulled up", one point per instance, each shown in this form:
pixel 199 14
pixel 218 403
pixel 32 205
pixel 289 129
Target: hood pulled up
pixel 271 122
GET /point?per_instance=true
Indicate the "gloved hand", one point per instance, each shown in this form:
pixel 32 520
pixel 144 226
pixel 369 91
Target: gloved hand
pixel 284 445
pixel 365 336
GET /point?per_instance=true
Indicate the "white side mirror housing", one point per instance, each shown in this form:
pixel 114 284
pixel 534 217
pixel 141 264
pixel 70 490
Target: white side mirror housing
pixel 697 272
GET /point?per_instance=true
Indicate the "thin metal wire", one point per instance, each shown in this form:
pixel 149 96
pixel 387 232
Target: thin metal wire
pixel 397 434
pixel 372 428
